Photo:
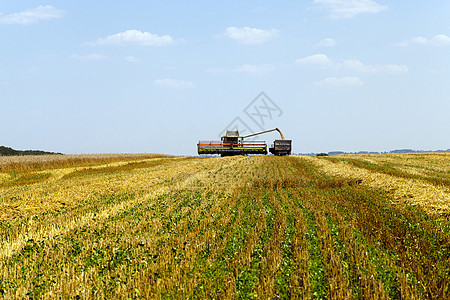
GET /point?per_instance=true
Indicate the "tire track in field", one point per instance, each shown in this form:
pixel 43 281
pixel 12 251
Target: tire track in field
pixel 9 247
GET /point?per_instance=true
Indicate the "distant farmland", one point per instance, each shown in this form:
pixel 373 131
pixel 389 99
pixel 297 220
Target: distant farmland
pixel 141 227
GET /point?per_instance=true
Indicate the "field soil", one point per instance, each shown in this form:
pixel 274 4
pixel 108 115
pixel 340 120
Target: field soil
pixel 163 227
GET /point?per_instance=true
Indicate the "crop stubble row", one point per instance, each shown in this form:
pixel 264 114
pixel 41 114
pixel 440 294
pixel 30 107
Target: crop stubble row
pixel 239 227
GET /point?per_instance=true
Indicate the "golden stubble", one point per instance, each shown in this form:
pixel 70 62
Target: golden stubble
pixel 435 199
pixel 32 200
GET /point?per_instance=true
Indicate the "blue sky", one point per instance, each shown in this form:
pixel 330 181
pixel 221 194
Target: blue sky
pixel 153 76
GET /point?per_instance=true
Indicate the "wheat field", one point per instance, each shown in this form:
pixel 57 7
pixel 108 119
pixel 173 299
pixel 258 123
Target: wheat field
pixel 163 227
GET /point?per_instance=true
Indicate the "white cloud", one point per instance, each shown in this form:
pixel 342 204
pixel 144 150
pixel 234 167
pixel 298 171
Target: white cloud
pixel 437 40
pixel 89 57
pixel 131 59
pixel 136 37
pixel 394 69
pixel 248 36
pixel 419 40
pixel 326 43
pixel 317 59
pixel 32 16
pixel 357 66
pixel 340 82
pixel 339 9
pixel 401 44
pixel 254 69
pixel 173 83
pixel 324 61
pixel 440 40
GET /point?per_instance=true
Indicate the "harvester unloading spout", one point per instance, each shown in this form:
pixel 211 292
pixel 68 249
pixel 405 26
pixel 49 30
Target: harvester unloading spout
pixel 265 131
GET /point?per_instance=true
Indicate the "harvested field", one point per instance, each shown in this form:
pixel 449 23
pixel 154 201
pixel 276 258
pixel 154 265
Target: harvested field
pixel 39 162
pixel 417 179
pixel 145 227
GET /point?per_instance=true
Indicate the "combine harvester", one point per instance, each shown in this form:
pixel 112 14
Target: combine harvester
pixel 233 144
